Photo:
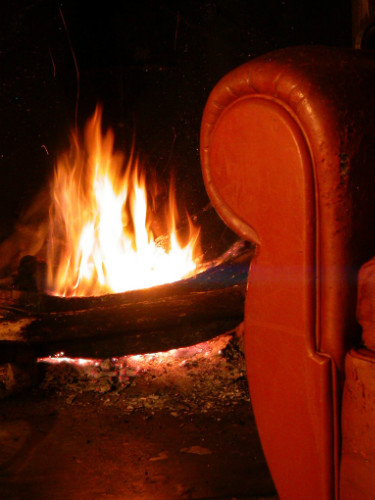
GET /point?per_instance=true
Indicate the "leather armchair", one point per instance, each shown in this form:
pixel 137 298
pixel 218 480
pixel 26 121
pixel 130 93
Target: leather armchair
pixel 288 160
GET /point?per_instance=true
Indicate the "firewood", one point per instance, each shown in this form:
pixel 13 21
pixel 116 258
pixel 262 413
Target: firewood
pixel 149 320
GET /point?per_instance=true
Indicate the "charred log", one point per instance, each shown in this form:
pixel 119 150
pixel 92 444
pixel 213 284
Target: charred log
pixel 160 318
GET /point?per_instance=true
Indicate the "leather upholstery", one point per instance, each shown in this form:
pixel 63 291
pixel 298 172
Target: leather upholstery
pixel 287 158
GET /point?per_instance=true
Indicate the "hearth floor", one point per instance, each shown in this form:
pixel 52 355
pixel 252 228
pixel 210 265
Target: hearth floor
pixel 190 438
pixel 51 451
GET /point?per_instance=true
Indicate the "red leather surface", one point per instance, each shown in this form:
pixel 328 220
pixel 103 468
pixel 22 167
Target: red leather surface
pixel 358 436
pixel 366 303
pixel 285 148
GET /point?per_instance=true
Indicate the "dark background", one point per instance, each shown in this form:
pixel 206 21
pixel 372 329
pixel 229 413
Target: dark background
pixel 151 63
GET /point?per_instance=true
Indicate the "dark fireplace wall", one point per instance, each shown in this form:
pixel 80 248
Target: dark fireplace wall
pixel 150 63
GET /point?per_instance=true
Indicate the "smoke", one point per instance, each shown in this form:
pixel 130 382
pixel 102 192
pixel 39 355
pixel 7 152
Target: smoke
pixel 29 236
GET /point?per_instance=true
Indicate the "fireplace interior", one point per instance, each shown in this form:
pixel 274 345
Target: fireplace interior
pixel 163 411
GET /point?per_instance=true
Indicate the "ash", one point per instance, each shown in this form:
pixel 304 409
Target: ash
pixel 203 378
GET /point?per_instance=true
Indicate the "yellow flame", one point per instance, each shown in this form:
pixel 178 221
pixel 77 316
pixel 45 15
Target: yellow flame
pixel 100 238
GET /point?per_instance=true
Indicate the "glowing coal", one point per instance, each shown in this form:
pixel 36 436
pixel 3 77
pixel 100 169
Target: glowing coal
pixel 191 379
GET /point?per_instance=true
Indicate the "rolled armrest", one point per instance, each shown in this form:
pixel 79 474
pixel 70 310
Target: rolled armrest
pixel 289 163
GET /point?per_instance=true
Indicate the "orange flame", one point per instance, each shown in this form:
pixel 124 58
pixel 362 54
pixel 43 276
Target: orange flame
pixel 100 237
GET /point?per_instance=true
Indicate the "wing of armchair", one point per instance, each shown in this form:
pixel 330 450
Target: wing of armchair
pixel 288 160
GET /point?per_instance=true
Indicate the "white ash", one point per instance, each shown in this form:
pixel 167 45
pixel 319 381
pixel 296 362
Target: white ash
pixel 200 378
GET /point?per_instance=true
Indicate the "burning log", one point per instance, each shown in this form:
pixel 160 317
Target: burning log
pixel 100 242
pixel 148 320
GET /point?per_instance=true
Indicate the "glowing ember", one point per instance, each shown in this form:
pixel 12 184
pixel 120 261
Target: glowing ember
pixel 100 224
pixel 194 379
pixel 61 358
pixel 151 361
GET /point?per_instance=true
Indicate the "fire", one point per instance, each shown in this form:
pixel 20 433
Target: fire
pixel 100 238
